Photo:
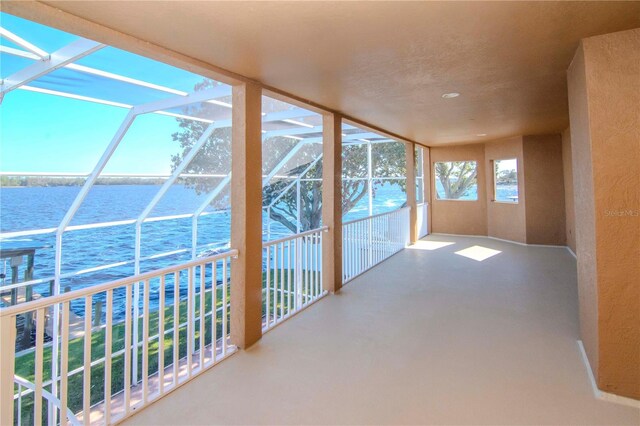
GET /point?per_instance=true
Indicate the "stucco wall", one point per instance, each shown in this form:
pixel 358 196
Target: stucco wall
pixel 544 189
pixel 460 217
pixel 612 77
pixel 506 220
pixel 569 210
pixel 584 208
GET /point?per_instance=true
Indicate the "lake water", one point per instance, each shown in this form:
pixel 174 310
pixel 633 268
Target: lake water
pixel 29 208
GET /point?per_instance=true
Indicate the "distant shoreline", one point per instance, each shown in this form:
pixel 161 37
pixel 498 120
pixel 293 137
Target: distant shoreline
pixel 74 182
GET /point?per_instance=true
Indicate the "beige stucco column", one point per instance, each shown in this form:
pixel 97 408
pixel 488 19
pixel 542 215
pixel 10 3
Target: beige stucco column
pixel 332 202
pixel 604 94
pixel 410 155
pixel 426 187
pixel 7 362
pixel 246 215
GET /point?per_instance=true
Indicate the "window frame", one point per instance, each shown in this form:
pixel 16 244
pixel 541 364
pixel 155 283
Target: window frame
pixel 436 180
pixel 494 198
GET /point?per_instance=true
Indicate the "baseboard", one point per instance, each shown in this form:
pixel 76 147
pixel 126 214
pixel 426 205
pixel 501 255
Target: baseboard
pixel 458 235
pixel 604 396
pixel 503 240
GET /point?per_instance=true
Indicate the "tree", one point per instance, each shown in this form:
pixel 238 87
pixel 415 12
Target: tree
pixel 215 158
pixel 456 177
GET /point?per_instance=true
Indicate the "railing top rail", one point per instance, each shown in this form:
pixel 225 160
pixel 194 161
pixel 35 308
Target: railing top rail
pixel 76 294
pixel 293 237
pixel 375 215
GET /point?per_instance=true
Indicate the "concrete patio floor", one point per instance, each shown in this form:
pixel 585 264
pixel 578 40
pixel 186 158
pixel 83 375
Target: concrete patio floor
pixel 427 337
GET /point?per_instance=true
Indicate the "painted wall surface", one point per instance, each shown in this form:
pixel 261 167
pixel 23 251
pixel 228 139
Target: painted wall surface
pixel 460 217
pixel 584 205
pixel 544 189
pixel 612 77
pixel 569 210
pixel 506 220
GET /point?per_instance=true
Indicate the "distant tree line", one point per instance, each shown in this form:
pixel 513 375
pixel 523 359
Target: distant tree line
pixel 28 181
pixel 507 177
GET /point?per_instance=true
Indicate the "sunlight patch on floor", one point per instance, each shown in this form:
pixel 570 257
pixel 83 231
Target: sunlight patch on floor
pixel 429 245
pixel 478 253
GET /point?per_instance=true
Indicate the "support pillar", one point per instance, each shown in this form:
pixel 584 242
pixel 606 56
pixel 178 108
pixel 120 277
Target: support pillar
pixel 410 156
pixel 246 215
pixel 7 361
pixel 332 202
pixel 426 172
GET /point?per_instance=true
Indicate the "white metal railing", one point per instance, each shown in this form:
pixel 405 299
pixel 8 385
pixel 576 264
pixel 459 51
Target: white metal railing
pixel 292 270
pixel 181 335
pixel 370 240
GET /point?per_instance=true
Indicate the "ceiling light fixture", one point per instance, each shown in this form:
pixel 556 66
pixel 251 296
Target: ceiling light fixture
pixel 299 123
pixel 450 95
pixel 481 134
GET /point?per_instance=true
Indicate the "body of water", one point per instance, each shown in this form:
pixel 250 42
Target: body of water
pixel 30 208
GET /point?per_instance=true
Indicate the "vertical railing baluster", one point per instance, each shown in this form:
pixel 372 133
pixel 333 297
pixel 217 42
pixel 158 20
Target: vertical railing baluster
pixel 39 361
pixel 275 284
pixel 309 269
pixel 145 342
pixel 225 308
pixel 127 349
pixel 267 289
pixel 190 315
pixel 161 312
pixel 321 260
pixel 282 281
pixel 361 252
pixel 354 249
pixel 107 356
pixel 299 279
pixel 289 279
pixel 345 229
pixel 314 290
pixel 214 310
pixel 203 328
pixel 19 404
pixel 176 327
pixel 361 245
pixel 374 239
pixel 349 252
pixel 86 379
pixel 315 263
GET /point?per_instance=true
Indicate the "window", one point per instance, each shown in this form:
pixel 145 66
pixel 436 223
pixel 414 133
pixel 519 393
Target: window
pixel 505 180
pixel 456 180
pixel 292 169
pixel 373 173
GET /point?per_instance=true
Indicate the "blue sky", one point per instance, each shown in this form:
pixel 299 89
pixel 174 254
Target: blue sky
pixel 45 133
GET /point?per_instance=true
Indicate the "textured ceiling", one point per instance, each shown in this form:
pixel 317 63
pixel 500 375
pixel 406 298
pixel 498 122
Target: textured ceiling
pixel 388 63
